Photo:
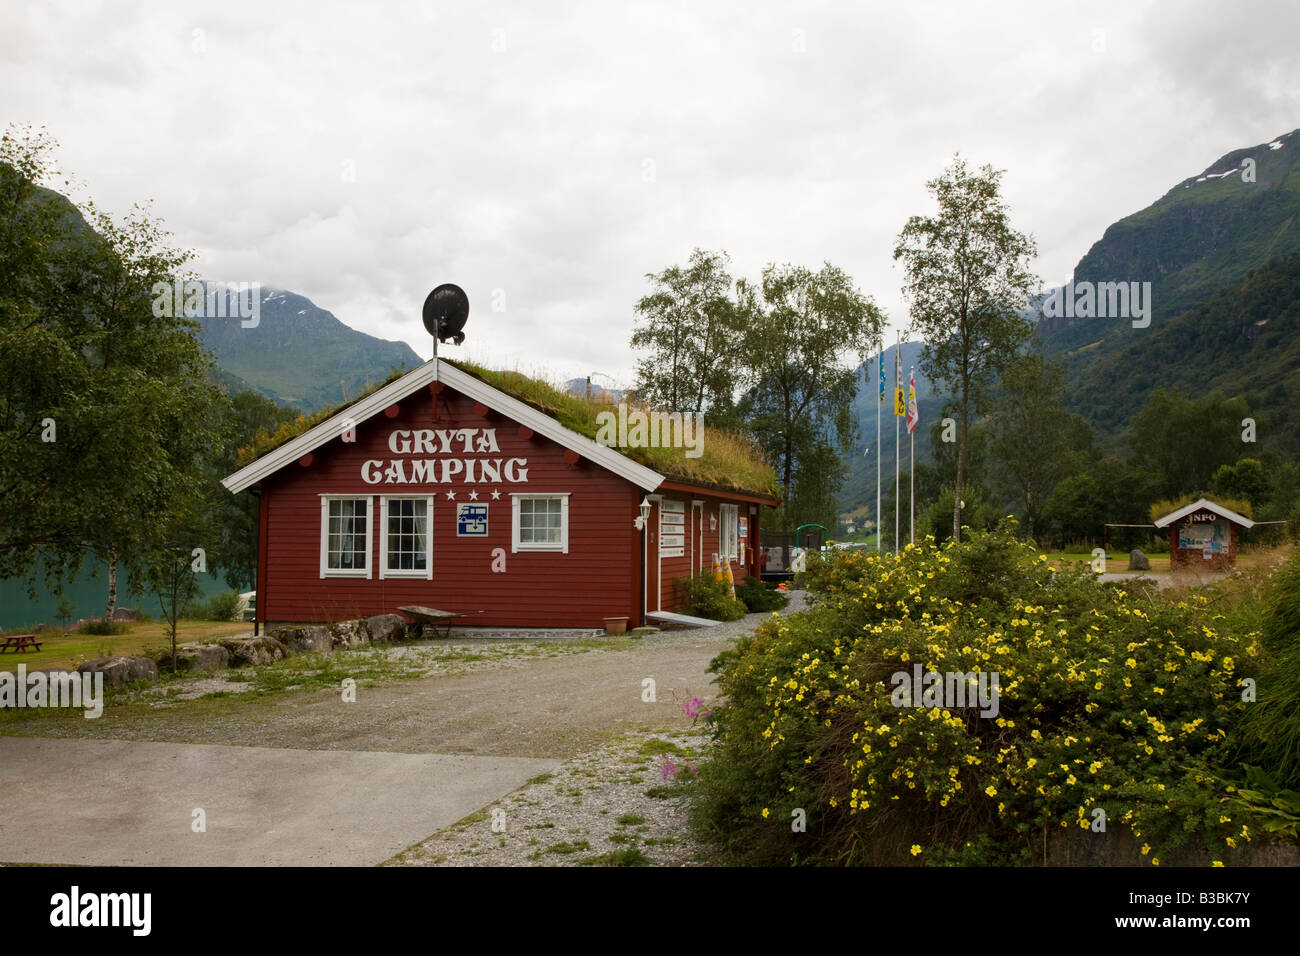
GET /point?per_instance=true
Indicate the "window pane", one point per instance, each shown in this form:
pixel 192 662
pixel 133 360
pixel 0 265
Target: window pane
pixel 541 520
pixel 407 534
pixel 345 546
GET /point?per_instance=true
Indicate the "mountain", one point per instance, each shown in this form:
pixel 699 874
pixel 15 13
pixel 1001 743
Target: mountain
pixel 1205 235
pixel 1244 340
pixel 1218 250
pixel 298 353
pixel 579 386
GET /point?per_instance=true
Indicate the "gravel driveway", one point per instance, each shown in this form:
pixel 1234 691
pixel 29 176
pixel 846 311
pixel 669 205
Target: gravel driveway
pixel 587 710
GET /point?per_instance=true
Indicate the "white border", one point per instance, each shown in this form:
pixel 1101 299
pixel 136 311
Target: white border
pixel 384 570
pixel 515 545
pixel 325 570
pixel 725 509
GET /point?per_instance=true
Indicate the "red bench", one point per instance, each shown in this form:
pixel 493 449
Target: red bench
pixel 20 643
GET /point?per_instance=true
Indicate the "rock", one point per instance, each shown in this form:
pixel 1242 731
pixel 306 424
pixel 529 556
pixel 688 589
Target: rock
pixel 125 614
pixel 203 658
pixel 304 638
pixel 385 628
pixel 246 651
pixel 347 634
pixel 1137 561
pixel 120 671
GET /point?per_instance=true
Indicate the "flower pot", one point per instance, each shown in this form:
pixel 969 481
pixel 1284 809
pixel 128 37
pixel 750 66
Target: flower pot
pixel 615 625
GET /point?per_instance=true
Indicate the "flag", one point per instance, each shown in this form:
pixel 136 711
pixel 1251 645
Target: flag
pixel 900 408
pixel 913 413
pixel 882 371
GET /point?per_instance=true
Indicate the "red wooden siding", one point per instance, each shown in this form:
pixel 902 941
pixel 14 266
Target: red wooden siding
pixel 698 557
pixel 597 578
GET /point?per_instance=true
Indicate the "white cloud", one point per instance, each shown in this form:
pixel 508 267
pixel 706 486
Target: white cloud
pixel 359 155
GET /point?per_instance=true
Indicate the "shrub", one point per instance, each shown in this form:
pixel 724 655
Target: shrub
pixel 1273 724
pixel 1102 702
pixel 222 606
pixel 102 627
pixel 759 597
pixel 706 596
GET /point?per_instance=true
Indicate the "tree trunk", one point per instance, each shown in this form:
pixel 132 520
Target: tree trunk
pixel 961 469
pixel 112 584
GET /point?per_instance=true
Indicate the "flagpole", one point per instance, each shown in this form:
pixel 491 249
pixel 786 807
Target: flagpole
pixel 879 444
pixel 898 440
pixel 911 436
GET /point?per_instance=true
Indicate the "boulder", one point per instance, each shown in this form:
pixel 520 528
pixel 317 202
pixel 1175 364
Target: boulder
pixel 385 628
pixel 120 671
pixel 202 658
pixel 304 638
pixel 347 634
pixel 1137 561
pixel 245 651
pixel 125 614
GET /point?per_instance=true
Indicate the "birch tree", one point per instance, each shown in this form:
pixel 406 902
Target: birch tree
pixel 967 283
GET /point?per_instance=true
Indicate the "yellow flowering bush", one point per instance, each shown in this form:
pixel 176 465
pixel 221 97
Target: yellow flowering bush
pixel 1105 700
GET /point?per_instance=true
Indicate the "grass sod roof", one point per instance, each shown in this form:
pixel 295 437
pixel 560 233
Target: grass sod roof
pixel 1168 506
pixel 727 461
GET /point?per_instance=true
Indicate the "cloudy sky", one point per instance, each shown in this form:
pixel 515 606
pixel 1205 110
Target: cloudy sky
pixel 547 156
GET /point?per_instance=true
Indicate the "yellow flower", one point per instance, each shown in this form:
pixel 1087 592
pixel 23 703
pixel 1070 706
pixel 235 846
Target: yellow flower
pixel 1217 863
pixel 765 813
pixel 916 849
pixel 991 790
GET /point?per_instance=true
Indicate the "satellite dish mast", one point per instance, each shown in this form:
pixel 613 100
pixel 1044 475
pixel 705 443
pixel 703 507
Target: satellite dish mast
pixel 445 312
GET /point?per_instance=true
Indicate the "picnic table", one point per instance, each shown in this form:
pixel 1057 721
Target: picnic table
pixel 20 643
pixel 435 618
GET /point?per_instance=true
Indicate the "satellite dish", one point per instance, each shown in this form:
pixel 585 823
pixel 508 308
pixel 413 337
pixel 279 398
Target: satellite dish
pixel 445 313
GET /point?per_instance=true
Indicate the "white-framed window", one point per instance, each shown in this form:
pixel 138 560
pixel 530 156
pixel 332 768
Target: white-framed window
pixel 729 532
pixel 345 530
pixel 540 522
pixel 406 545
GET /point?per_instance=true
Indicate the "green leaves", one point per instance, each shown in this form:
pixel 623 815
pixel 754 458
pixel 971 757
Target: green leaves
pixel 691 328
pixel 781 342
pixel 105 409
pixel 967 280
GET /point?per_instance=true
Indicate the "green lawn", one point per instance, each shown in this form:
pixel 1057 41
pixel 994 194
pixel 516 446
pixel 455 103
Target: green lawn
pixel 1115 560
pixel 67 650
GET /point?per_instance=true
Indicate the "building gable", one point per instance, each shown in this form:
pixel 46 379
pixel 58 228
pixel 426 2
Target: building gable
pixel 435 376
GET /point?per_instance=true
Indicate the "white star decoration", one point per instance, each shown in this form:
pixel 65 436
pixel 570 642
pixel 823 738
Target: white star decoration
pixel 451 496
pixel 473 496
pixel 495 494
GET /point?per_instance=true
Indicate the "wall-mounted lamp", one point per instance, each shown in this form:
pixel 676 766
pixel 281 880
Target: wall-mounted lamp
pixel 644 516
pixel 713 522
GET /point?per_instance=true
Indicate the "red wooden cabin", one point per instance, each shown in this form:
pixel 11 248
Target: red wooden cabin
pixel 442 490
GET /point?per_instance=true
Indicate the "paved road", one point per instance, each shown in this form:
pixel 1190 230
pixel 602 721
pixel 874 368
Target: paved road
pixel 112 802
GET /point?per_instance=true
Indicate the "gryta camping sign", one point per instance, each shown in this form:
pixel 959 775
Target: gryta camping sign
pixel 453 446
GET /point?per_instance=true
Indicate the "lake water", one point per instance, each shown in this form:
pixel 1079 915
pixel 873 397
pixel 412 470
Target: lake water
pixel 88 594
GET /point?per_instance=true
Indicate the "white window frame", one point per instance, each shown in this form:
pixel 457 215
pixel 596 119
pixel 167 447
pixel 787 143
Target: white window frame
pixel 729 532
pixel 516 545
pixel 384 570
pixel 325 570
